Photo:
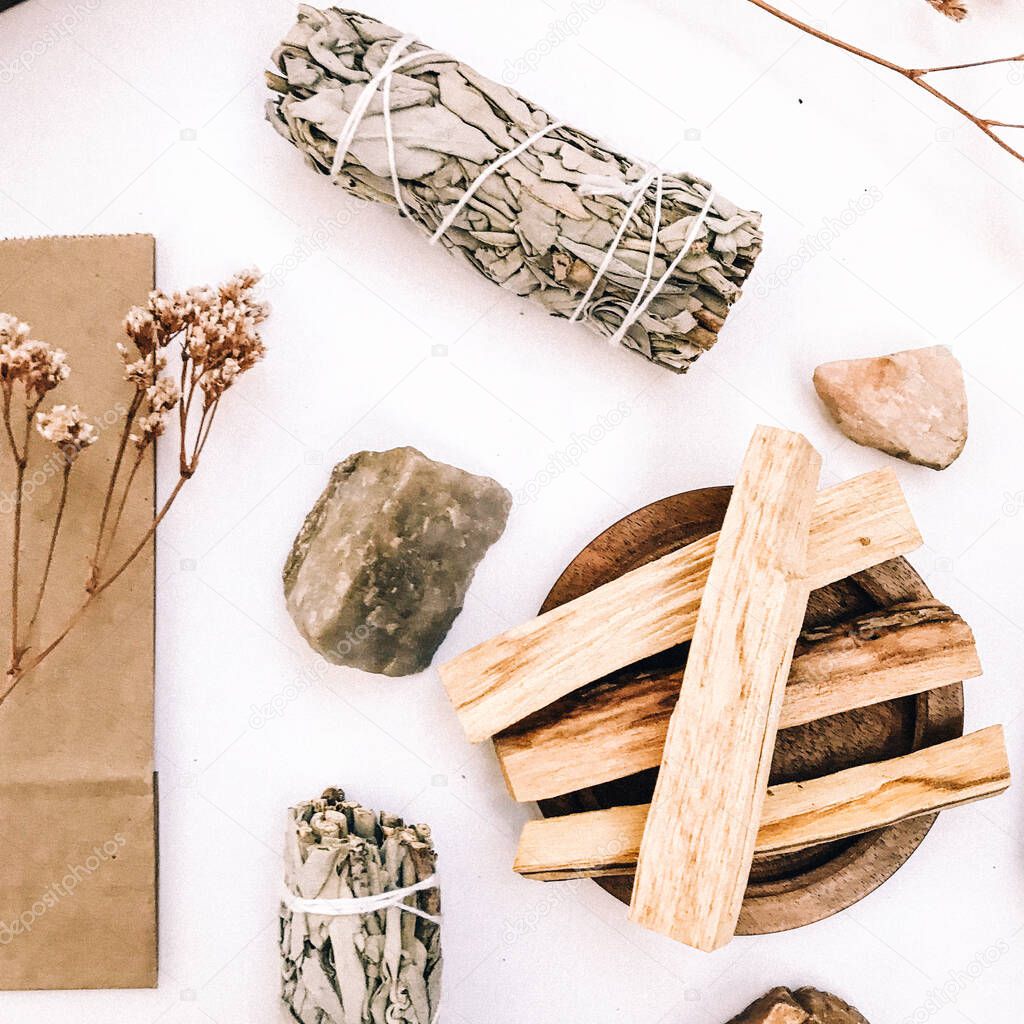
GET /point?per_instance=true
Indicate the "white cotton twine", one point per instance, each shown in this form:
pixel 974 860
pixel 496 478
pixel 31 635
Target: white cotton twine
pixel 593 185
pixel 352 905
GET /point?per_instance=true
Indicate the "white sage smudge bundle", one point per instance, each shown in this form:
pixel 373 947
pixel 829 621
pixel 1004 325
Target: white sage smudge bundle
pixel 647 259
pixel 355 949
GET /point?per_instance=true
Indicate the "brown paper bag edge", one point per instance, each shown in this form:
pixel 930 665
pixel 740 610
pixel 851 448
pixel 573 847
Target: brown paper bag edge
pixel 137 968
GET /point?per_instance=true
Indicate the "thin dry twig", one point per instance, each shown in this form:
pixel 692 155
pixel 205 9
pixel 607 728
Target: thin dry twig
pixel 916 75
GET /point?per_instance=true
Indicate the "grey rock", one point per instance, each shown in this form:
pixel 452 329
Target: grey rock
pixel 380 569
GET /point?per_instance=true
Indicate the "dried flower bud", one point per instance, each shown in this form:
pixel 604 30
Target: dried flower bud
pixel 219 339
pixel 150 426
pixel 169 313
pixel 222 340
pixel 36 365
pixel 161 398
pixel 142 329
pixel 66 427
pixel 12 330
pixel 164 394
pixel 215 382
pixel 142 372
pixel 234 287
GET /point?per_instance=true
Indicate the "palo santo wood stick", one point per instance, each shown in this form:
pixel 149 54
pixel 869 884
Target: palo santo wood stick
pixel 699 839
pixel 856 525
pixel 795 815
pixel 614 728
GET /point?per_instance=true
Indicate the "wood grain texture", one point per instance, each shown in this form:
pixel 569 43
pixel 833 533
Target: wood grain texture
pixel 786 890
pixel 801 814
pixel 855 525
pixel 795 815
pixel 607 732
pixel 698 843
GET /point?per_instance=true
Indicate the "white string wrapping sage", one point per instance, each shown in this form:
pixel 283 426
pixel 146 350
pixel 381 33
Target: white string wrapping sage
pixel 635 193
pixel 648 259
pixel 358 905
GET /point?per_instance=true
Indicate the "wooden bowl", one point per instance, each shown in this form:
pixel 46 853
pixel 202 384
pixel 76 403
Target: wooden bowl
pixel 789 890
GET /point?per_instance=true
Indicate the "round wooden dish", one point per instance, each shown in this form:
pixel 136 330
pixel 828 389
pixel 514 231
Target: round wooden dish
pixel 795 889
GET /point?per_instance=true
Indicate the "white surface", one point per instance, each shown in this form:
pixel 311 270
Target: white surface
pixel 146 116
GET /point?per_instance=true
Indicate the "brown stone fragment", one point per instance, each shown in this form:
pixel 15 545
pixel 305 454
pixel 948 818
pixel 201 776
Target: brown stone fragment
pixel 825 1008
pixel 910 404
pixel 777 1007
pixel 805 1006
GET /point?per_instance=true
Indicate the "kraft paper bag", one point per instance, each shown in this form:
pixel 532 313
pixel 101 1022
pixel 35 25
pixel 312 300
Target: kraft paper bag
pixel 78 855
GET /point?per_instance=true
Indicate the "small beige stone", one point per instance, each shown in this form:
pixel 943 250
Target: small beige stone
pixel 910 404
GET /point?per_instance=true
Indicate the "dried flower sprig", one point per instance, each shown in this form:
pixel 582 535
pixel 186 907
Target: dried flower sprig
pixel 950 8
pixel 31 368
pixel 919 76
pixel 212 333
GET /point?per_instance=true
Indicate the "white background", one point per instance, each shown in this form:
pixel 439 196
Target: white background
pixel 139 115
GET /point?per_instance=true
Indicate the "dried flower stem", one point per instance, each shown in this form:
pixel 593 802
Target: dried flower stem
pixel 21 464
pixel 109 496
pixel 15 677
pixel 96 585
pixel 915 75
pixel 205 426
pixel 184 407
pixel 57 520
pixel 125 492
pixel 19 482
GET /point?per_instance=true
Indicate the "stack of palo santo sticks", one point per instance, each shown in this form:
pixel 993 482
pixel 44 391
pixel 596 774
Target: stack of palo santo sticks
pixel 739 597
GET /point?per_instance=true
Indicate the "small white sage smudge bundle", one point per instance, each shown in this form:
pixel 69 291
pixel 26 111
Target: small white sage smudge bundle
pixel 647 259
pixel 367 957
